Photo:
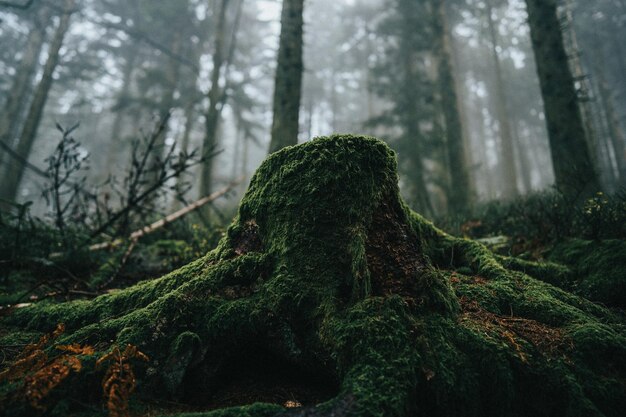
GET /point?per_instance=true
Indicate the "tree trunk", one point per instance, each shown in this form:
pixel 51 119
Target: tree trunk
pixel 420 196
pixel 461 95
pixel 459 188
pixel 17 95
pixel 615 133
pixel 15 169
pixel 522 158
pixel 288 84
pixel 117 146
pixel 212 115
pixel 507 162
pixel 573 168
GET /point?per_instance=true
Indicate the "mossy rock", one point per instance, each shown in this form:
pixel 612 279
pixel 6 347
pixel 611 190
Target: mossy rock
pixel 329 294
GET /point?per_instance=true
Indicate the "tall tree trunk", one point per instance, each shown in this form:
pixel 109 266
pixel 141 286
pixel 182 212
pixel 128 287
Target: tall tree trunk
pixel 184 146
pixel 212 115
pixel 593 126
pixel 166 103
pixel 420 197
pixel 573 168
pixel 15 168
pixel 465 124
pixel 615 133
pixel 309 109
pixel 507 163
pixel 116 144
pixel 522 158
pixel 458 189
pixel 16 98
pixel 288 84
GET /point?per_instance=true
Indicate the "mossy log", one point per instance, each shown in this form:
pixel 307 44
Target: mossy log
pixel 327 282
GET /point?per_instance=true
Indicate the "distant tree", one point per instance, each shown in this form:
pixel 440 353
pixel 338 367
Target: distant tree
pixel 402 76
pixel 288 84
pixel 16 167
pixel 459 187
pixel 598 29
pixel 214 95
pixel 573 168
pixel 507 162
pixel 17 96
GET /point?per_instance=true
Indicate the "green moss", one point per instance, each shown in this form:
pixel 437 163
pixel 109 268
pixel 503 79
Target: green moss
pixel 326 270
pixel 598 269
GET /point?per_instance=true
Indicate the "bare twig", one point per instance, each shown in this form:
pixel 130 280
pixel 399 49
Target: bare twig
pixel 137 191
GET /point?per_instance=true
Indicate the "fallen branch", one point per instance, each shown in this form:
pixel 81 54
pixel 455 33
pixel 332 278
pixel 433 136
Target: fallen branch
pixel 136 235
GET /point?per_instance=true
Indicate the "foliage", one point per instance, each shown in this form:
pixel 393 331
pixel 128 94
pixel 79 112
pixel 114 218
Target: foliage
pixel 119 380
pixel 41 374
pixel 544 218
pixel 586 236
pixel 40 260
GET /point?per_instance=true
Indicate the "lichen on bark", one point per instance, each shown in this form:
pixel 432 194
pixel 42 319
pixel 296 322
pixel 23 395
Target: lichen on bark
pixel 326 281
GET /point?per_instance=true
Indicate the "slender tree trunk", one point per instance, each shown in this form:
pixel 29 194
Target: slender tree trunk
pixel 15 169
pixel 420 197
pixel 184 144
pixel 309 118
pixel 573 168
pixel 507 163
pixel 288 84
pixel 462 110
pixel 599 157
pixel 212 115
pixel 17 95
pixel 522 158
pixel 368 75
pixel 116 144
pixel 615 133
pixel 458 189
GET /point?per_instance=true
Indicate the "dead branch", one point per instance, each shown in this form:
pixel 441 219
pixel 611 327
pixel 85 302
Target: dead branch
pixel 136 235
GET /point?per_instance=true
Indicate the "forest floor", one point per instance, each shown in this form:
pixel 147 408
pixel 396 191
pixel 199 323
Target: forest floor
pixel 492 302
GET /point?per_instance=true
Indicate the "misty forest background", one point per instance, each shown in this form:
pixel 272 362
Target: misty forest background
pixel 508 117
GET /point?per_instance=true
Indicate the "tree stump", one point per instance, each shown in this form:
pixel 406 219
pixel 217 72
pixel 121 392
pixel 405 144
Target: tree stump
pixel 329 297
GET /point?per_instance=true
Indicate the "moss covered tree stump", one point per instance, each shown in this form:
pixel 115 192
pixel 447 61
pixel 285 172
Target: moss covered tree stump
pixel 327 293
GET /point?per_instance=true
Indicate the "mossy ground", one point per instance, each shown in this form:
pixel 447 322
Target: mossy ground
pixel 327 274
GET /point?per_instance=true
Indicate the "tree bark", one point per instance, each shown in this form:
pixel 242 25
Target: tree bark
pixel 288 84
pixel 573 168
pixel 459 188
pixel 15 169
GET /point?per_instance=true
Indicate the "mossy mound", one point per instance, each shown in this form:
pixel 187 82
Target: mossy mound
pixel 327 283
